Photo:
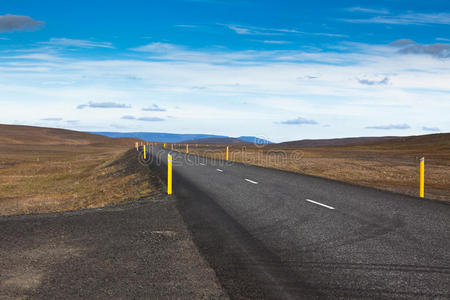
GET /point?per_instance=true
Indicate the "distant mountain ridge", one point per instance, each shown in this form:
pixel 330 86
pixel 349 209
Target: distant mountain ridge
pixel 176 137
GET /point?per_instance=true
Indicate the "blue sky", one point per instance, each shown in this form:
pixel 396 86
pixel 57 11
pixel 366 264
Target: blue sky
pixel 283 70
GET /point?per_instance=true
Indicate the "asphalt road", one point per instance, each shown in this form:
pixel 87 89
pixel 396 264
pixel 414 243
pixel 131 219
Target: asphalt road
pixel 281 235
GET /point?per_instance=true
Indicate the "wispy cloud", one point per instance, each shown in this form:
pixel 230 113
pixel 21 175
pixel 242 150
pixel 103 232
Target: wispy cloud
pixel 165 51
pixel 368 10
pixel 276 42
pixel 389 127
pixel 145 119
pixel 103 105
pixel 365 81
pixel 154 107
pixel 299 121
pixel 65 42
pixel 51 119
pixel 186 26
pixel 150 119
pixel 10 23
pixel 407 19
pixel 255 30
pixel 157 47
pixel 432 129
pixel 268 31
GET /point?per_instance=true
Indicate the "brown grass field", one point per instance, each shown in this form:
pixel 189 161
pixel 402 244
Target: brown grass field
pixel 386 164
pixel 46 170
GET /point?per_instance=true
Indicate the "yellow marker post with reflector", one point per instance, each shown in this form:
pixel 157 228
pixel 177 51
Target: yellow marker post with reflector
pixel 227 153
pixel 169 174
pixel 164 145
pixel 187 148
pixel 422 177
pixel 145 153
pixel 137 146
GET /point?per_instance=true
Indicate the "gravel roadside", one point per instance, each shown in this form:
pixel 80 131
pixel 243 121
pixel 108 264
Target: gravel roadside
pixel 137 250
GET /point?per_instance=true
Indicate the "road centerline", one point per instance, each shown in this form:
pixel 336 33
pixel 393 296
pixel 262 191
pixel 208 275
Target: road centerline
pixel 321 204
pixel 219 170
pixel 251 181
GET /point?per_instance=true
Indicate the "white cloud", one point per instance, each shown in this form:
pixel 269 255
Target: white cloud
pixel 276 42
pixel 242 92
pixel 432 129
pixel 299 121
pixel 150 119
pixel 103 105
pixel 154 107
pixel 407 19
pixel 186 26
pixel 65 42
pixel 368 10
pixel 255 30
pixel 366 81
pixel 157 47
pixel 389 127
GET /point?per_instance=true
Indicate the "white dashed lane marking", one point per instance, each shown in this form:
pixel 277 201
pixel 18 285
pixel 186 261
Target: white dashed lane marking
pixel 251 181
pixel 219 170
pixel 321 204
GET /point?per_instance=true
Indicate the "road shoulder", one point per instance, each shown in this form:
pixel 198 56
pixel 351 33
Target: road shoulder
pixel 138 250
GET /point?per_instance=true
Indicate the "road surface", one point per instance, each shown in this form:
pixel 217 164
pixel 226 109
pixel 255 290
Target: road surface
pixel 275 234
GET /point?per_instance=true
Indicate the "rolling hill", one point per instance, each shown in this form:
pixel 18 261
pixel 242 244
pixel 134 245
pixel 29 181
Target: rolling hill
pixel 31 135
pixel 386 140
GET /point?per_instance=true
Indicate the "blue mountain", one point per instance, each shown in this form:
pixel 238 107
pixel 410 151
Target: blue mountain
pixel 162 137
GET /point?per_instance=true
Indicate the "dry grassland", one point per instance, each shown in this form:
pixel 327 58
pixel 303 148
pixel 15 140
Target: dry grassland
pixel 48 174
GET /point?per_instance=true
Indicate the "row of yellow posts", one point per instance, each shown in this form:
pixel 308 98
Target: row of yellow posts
pixel 169 169
pixel 187 149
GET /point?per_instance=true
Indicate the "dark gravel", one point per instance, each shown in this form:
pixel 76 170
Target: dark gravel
pixel 138 250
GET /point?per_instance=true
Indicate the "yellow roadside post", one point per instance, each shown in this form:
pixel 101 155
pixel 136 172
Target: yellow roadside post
pixel 137 146
pixel 164 145
pixel 169 174
pixel 422 177
pixel 187 148
pixel 145 154
pixel 227 153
